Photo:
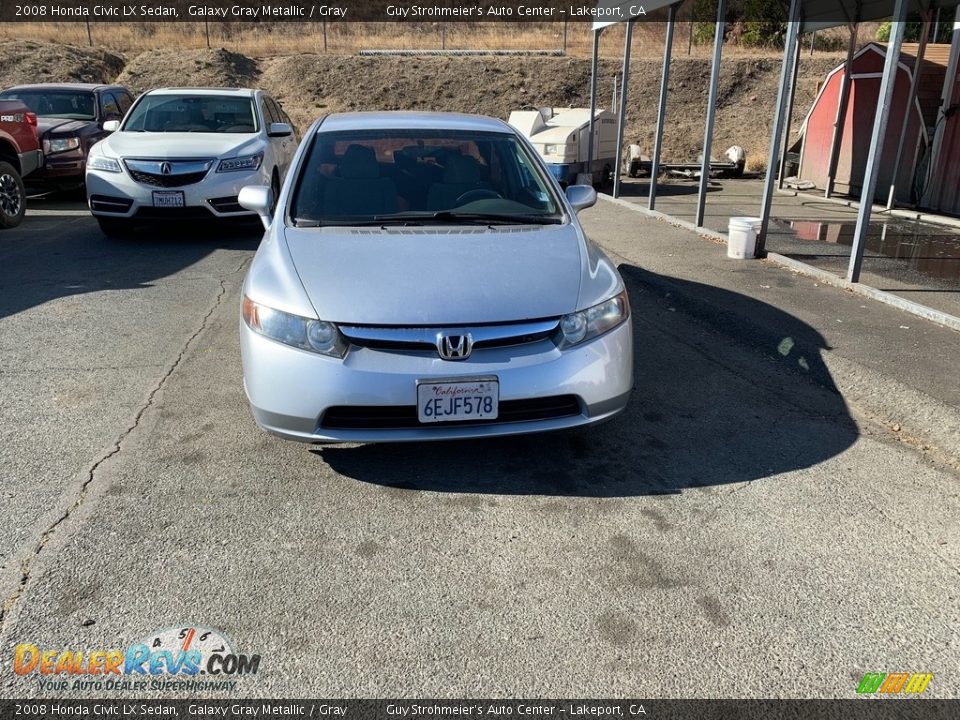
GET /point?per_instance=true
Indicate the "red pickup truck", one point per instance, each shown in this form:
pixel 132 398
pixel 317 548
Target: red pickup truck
pixel 20 155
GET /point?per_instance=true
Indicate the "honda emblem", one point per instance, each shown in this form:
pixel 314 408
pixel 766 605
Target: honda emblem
pixel 455 347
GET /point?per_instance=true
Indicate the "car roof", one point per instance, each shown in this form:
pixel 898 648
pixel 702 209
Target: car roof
pixel 242 92
pixel 64 86
pixel 398 120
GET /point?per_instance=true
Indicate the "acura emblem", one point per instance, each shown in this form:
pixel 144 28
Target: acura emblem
pixel 166 168
pixel 455 347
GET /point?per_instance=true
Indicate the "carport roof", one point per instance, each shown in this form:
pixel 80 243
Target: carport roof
pixel 815 14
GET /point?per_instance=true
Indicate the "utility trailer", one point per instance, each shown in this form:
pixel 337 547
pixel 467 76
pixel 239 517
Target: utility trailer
pixel 638 164
pixel 562 136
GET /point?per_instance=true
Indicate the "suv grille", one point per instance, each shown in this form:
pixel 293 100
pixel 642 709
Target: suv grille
pixel 167 181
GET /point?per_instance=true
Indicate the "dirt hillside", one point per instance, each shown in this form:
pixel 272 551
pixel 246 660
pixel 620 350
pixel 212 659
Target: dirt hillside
pixel 25 62
pixel 310 85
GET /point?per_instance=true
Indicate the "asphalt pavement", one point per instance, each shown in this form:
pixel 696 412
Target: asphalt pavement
pixel 741 531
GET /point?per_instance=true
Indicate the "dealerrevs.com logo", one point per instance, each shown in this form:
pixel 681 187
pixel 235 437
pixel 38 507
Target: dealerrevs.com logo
pixel 189 657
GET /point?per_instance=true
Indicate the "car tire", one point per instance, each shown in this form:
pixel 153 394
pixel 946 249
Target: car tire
pixel 115 227
pixel 13 196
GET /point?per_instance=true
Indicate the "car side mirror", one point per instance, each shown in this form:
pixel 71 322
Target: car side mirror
pixel 258 198
pixel 581 197
pixel 111 126
pixel 279 130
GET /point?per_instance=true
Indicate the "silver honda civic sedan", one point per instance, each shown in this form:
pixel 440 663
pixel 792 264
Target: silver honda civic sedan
pixel 423 277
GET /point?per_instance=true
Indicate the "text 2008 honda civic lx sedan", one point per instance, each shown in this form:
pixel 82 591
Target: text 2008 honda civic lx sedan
pixel 424 278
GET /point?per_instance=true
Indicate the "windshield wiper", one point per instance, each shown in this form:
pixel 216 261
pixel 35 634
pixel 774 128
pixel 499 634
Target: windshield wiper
pixel 451 216
pixel 498 218
pixel 305 223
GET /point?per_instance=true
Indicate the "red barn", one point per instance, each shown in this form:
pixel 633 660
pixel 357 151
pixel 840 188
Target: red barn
pixel 866 74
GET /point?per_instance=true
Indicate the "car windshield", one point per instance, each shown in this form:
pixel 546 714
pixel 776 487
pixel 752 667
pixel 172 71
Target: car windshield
pixel 68 104
pixel 192 113
pixel 417 177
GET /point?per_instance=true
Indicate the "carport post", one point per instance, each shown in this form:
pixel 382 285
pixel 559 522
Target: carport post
pixel 841 117
pixel 785 149
pixel 593 99
pixel 662 107
pixel 790 47
pixel 911 99
pixel 711 112
pixel 869 187
pixel 621 121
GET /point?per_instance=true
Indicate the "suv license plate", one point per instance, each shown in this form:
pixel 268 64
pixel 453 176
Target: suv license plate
pixel 172 199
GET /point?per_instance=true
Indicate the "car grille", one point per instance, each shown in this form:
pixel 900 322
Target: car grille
pixel 425 338
pixel 182 213
pixel 167 181
pixel 168 173
pixel 398 417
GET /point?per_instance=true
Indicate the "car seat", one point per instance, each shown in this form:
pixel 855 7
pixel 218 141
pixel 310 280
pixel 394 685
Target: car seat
pixel 358 188
pixel 461 175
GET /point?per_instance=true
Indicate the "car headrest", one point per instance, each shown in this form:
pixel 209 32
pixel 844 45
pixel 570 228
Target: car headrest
pixel 461 170
pixel 359 162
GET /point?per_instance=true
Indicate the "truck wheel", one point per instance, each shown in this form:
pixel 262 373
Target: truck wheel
pixel 115 227
pixel 13 196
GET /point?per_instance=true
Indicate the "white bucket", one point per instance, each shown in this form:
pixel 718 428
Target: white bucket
pixel 742 237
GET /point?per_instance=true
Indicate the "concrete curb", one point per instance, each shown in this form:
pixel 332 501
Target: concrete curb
pixel 916 417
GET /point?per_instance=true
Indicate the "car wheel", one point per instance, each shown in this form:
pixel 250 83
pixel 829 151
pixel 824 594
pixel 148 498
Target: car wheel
pixel 115 227
pixel 13 196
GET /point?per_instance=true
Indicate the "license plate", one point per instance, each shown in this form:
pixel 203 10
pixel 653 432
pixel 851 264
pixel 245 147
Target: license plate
pixel 452 400
pixel 169 199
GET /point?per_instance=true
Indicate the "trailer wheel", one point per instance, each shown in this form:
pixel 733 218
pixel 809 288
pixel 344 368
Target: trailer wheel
pixel 606 178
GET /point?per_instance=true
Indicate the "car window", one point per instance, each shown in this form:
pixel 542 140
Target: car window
pixel 68 104
pixel 280 115
pixel 165 112
pixel 266 110
pixel 125 101
pixel 109 106
pixel 364 176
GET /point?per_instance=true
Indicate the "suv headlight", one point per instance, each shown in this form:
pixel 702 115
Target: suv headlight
pixel 316 336
pixel 99 162
pixel 247 162
pixel 584 325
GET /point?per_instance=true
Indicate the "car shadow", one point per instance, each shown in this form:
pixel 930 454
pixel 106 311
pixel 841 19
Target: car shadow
pixel 61 252
pixel 715 401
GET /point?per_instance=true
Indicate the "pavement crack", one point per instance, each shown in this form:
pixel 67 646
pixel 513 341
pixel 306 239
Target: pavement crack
pixel 26 566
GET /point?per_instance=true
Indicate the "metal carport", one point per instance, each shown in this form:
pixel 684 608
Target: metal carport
pixel 803 16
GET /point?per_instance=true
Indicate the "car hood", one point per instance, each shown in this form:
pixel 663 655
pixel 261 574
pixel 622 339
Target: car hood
pixel 445 276
pixel 162 145
pixel 61 125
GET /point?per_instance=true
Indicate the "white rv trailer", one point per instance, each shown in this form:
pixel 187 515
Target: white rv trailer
pixel 562 135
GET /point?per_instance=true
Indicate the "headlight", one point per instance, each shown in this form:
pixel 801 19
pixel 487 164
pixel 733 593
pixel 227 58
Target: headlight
pixel 62 144
pixel 553 149
pixel 579 327
pixel 248 162
pixel 99 162
pixel 316 336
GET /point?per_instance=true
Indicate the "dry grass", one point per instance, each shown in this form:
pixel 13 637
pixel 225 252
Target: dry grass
pixel 272 39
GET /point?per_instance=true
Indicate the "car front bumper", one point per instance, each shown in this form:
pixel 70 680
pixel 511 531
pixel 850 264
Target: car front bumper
pixel 118 195
pixel 291 392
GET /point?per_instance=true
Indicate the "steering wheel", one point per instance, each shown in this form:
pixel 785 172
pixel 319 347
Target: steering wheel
pixel 478 194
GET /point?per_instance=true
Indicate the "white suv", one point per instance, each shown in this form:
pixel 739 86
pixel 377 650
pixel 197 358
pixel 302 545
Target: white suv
pixel 184 153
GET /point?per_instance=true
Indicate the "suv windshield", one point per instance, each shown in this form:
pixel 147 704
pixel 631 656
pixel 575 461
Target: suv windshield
pixel 192 113
pixel 420 176
pixel 67 104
